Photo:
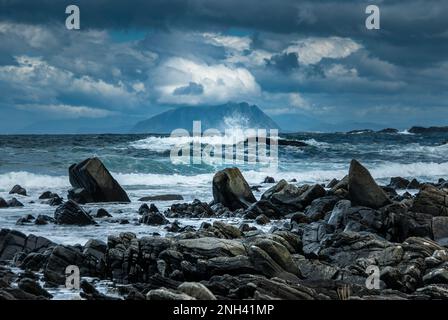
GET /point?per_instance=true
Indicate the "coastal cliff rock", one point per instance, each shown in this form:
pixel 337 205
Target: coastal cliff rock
pixel 92 182
pixel 232 190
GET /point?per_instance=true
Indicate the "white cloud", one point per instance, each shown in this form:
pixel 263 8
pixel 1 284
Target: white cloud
pixel 220 82
pixel 41 81
pixel 229 42
pixel 255 58
pixel 313 50
pixel 67 111
pixel 339 70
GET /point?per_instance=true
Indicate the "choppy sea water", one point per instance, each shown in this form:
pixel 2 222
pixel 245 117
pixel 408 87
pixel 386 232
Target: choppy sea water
pixel 142 165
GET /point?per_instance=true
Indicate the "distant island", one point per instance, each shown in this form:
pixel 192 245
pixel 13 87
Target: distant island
pixel 218 117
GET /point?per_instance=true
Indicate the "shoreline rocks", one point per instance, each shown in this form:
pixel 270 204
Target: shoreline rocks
pixel 320 240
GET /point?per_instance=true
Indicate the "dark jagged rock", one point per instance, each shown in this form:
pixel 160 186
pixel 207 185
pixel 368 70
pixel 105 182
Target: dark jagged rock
pixel 226 231
pixel 320 206
pixel 311 193
pixel 25 219
pixel 285 196
pixel 414 184
pixel 262 219
pixel 332 183
pixel 90 261
pixel 13 242
pixel 153 218
pixel 92 182
pixel 163 197
pixel 269 180
pixel 196 209
pixel 151 215
pixel 399 183
pixel 3 203
pixel 48 195
pixel 431 200
pixel 264 207
pixel 388 130
pixel 423 130
pixel 231 189
pixel 17 189
pixel 363 190
pixel 56 201
pixel 34 288
pixel 71 213
pixel 14 203
pixel 43 219
pixel 102 213
pixel 89 292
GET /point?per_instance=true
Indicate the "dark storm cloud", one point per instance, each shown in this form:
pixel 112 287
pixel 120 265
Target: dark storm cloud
pixel 413 32
pixel 315 56
pixel 287 62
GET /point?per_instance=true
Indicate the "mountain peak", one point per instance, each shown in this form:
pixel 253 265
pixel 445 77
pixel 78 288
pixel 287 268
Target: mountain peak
pixel 221 117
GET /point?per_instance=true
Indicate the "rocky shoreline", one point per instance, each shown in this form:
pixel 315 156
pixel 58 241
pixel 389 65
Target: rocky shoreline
pixel 329 237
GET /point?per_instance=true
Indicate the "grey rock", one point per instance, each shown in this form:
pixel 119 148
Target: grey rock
pixel 232 190
pixel 196 290
pixel 98 184
pixel 363 190
pixel 17 189
pixel 72 214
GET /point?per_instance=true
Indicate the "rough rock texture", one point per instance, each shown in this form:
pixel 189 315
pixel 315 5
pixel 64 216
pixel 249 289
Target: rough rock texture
pixel 231 189
pixel 431 200
pixel 362 189
pixel 71 213
pixel 17 189
pixel 92 182
pixel 13 242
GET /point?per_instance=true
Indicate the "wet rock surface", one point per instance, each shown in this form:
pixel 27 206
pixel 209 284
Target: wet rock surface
pixel 322 243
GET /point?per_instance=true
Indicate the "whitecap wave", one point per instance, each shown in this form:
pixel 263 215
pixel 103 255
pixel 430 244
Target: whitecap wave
pixel 429 171
pixel 32 181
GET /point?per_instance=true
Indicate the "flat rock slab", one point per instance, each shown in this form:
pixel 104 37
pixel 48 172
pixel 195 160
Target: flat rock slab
pixel 213 247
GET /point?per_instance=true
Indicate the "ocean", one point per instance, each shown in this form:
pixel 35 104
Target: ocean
pixel 142 165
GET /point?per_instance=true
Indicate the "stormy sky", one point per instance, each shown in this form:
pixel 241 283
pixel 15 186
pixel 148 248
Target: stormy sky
pixel 311 65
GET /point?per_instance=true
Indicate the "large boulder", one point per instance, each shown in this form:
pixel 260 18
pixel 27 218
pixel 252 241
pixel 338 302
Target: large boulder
pixel 92 182
pixel 71 213
pixel 232 190
pixel 17 189
pixel 362 189
pixel 431 200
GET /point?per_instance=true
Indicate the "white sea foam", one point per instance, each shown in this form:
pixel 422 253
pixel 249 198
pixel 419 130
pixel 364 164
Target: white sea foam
pixel 163 144
pixel 314 142
pixel 405 132
pixel 32 181
pixel 380 171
